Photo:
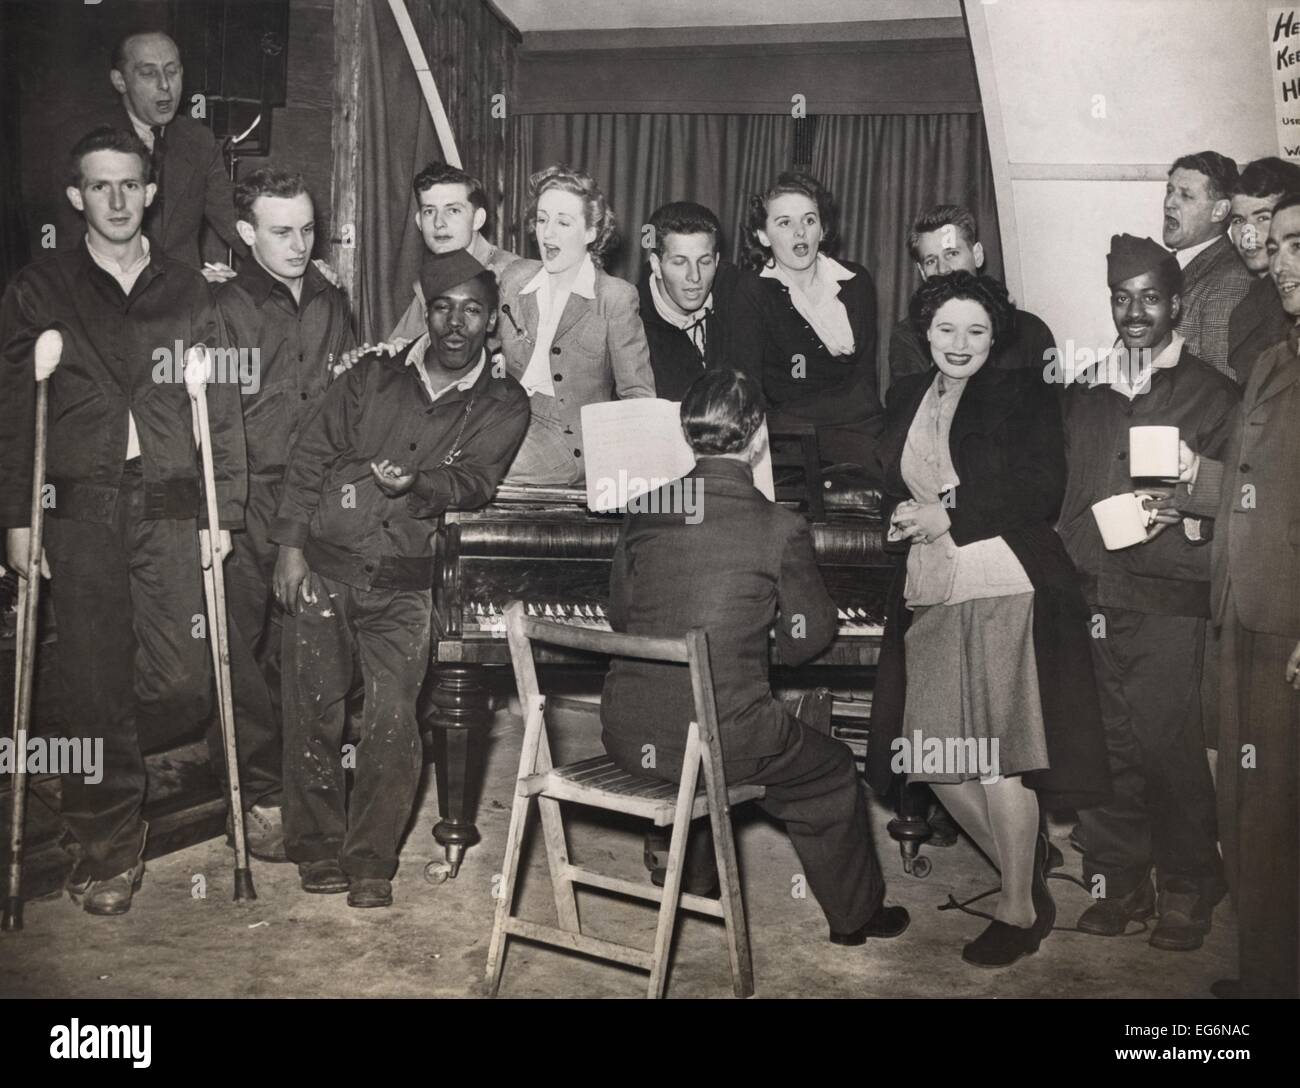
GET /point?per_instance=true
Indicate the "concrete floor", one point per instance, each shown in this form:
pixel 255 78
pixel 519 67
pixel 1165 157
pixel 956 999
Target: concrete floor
pixel 433 941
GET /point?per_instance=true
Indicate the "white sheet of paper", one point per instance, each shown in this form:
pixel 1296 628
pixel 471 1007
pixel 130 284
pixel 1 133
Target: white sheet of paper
pixel 634 446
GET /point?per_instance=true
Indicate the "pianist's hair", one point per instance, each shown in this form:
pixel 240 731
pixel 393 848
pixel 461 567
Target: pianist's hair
pixel 984 290
pixel 1219 170
pixel 595 208
pixel 107 138
pixel 721 411
pixel 758 255
pixel 684 217
pixel 1270 176
pixel 266 182
pixel 936 218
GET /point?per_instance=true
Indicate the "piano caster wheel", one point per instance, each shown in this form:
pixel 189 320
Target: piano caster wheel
pixel 918 866
pixel 437 872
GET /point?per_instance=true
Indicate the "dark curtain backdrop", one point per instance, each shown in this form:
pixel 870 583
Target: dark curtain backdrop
pixel 14 250
pixel 883 169
pixel 470 53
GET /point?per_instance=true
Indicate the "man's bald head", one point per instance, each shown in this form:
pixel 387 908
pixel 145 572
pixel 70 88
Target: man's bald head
pixel 146 72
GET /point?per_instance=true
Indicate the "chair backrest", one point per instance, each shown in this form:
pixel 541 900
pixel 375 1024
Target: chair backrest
pixel 691 650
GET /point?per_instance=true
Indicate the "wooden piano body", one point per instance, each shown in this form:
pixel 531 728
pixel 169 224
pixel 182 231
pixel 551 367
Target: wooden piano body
pixel 542 546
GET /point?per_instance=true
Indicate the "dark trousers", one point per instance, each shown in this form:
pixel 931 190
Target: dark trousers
pixel 1161 813
pixel 814 789
pixel 128 598
pixel 380 636
pixel 255 623
pixel 1259 805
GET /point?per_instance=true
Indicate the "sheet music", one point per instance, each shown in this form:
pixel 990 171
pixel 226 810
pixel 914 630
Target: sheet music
pixel 634 446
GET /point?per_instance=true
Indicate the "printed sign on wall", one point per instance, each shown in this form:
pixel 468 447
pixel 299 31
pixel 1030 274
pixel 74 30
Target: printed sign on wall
pixel 1284 60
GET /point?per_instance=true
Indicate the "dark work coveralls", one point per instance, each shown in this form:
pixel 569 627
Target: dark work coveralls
pixel 133 658
pixel 1155 601
pixel 371 560
pixel 289 348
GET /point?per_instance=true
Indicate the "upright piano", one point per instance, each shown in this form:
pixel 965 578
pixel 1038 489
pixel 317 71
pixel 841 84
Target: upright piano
pixel 544 547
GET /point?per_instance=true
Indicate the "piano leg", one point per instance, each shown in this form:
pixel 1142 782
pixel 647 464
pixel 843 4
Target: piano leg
pixel 459 718
pixel 910 829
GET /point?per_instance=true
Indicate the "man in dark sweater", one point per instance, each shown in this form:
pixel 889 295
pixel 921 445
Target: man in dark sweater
pixel 122 538
pixel 290 325
pixel 1150 602
pixel 1258 321
pixel 945 238
pixel 392 444
pixel 685 296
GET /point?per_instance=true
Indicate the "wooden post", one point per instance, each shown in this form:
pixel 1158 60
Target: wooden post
pixel 346 142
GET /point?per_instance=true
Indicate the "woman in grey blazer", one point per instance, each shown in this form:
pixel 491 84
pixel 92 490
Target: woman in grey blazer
pixel 570 334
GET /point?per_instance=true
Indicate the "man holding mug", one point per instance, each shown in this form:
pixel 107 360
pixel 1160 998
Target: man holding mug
pixel 1150 601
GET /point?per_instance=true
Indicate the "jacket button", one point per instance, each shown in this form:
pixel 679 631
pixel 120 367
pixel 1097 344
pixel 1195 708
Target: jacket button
pixel 412 445
pixel 558 377
pixel 370 567
pixel 302 396
pixel 1122 455
pixel 577 453
pixel 1245 467
pixel 555 351
pixel 384 523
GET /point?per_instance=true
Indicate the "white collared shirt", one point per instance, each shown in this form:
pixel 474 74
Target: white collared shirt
pixel 550 307
pixel 1185 256
pixel 126 277
pixel 820 305
pixel 1118 366
pixel 415 358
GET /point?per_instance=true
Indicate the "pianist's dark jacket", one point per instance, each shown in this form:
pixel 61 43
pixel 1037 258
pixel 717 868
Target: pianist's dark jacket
pixel 1008 449
pixel 731 573
pixel 332 508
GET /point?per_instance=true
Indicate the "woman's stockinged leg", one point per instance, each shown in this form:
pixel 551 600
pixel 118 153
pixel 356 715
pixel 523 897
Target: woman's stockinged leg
pixel 966 803
pixel 1013 815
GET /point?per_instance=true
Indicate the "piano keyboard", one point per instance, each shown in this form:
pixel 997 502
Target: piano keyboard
pixel 489 619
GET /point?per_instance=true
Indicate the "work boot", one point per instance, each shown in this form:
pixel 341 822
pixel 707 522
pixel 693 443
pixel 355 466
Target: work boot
pixel 371 892
pixel 1185 916
pixel 324 877
pixel 1110 917
pixel 113 894
pixel 263 832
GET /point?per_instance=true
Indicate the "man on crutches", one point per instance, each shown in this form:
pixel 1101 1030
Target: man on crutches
pixel 124 489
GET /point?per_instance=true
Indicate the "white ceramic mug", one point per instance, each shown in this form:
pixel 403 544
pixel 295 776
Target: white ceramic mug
pixel 1153 452
pixel 1123 520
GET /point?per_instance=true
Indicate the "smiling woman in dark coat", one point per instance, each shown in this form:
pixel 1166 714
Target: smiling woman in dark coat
pixel 986 630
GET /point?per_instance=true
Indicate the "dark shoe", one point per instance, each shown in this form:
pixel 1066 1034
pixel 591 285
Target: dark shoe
pixel 371 892
pixel 1226 989
pixel 887 922
pixel 1110 917
pixel 323 877
pixel 111 896
pixel 1185 917
pixel 710 887
pixel 263 832
pixel 1002 944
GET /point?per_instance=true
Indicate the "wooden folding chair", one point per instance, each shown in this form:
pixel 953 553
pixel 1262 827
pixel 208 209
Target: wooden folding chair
pixel 599 783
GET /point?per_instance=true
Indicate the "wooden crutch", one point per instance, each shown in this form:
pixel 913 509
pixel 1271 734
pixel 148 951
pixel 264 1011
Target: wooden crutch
pixel 47 353
pixel 214 592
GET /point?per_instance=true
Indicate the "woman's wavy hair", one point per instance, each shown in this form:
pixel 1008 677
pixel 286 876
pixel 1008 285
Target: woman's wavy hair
pixel 985 290
pixel 595 208
pixel 788 181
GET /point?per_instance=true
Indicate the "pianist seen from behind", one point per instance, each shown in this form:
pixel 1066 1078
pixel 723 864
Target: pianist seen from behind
pixel 742 567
